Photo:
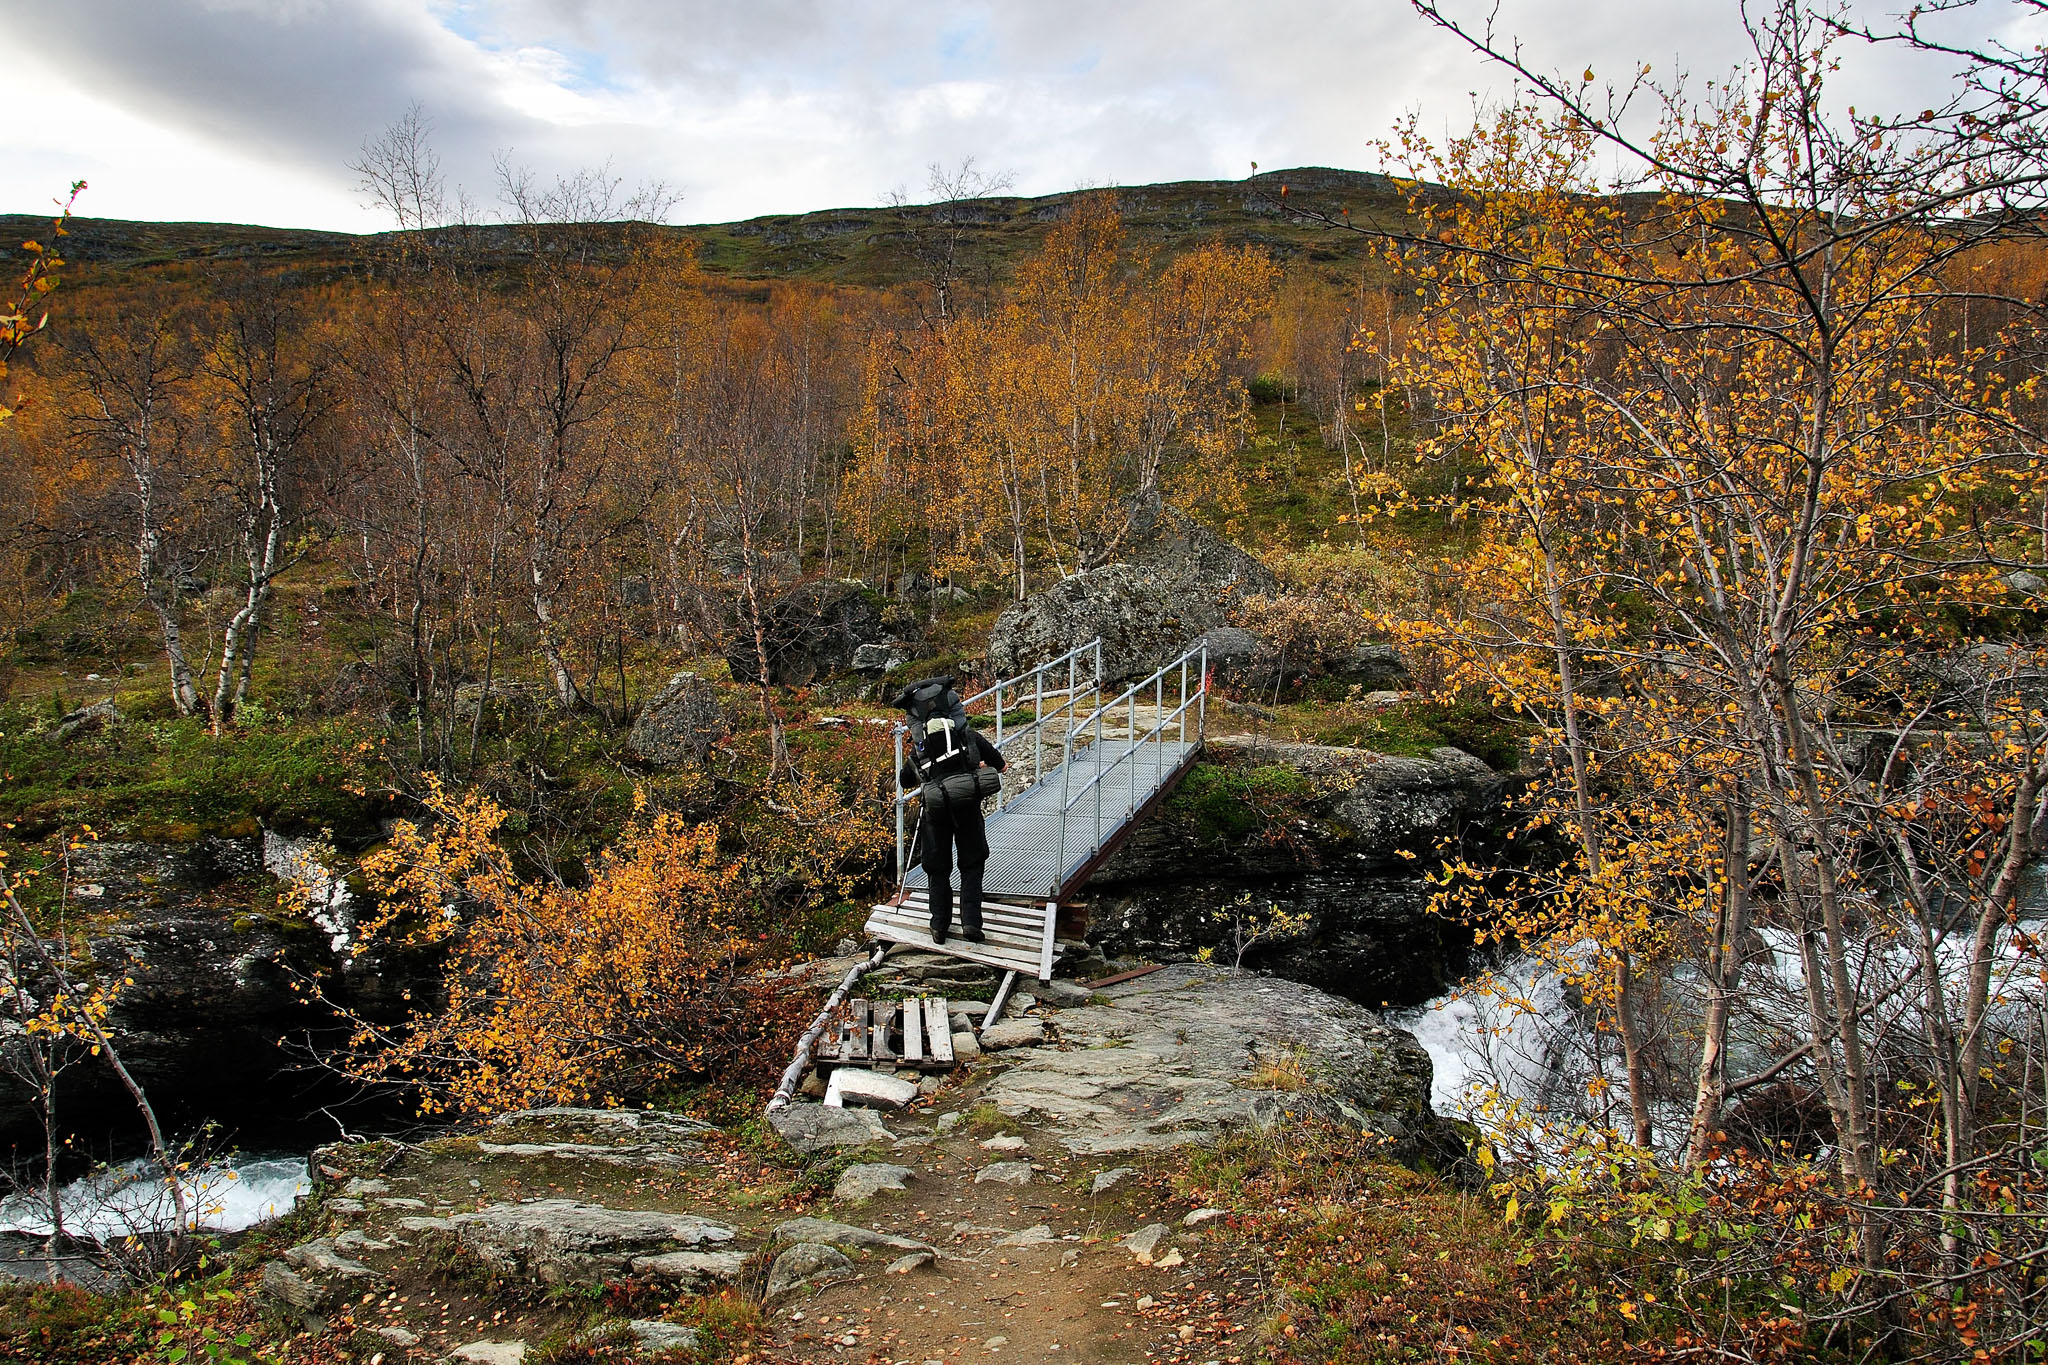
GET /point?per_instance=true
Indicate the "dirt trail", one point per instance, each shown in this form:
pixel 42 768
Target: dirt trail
pixel 1034 1272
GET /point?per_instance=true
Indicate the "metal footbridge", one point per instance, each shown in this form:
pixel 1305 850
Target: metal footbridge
pixel 1083 771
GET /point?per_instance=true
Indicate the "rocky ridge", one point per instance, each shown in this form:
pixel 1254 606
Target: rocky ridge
pixel 1026 1163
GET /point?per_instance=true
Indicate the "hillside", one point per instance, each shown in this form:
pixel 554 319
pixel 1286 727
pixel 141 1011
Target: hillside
pixel 858 246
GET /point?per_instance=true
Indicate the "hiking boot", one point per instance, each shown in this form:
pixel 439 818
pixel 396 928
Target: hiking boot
pixel 939 933
pixel 973 934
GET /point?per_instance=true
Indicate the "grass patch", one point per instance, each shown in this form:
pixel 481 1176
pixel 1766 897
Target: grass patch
pixel 1374 1262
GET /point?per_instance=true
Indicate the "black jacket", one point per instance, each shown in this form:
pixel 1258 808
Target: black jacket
pixel 984 752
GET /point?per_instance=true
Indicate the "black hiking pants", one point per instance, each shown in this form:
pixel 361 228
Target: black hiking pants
pixel 955 832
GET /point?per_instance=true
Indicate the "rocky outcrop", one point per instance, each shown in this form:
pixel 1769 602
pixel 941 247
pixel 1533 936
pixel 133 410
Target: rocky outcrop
pixel 818 1127
pixel 811 632
pixel 1181 1054
pixel 216 969
pixel 679 725
pixel 565 1242
pixel 1173 581
pixel 1335 840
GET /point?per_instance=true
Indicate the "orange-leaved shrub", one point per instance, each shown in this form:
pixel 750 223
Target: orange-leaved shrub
pixel 646 978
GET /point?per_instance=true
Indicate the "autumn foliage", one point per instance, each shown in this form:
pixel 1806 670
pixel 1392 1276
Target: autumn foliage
pixel 644 979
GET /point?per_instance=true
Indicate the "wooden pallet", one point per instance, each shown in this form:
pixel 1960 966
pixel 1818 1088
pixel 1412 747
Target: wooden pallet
pixel 914 1033
pixel 1020 934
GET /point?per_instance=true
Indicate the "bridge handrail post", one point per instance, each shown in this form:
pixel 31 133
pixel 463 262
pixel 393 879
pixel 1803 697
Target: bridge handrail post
pixel 1158 725
pixel 1037 723
pixel 896 785
pixel 1181 711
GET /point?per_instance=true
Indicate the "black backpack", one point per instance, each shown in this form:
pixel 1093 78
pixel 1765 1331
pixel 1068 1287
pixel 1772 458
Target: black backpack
pixel 938 727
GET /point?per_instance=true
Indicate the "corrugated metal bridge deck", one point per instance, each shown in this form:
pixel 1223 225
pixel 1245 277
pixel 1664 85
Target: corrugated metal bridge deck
pixel 1040 853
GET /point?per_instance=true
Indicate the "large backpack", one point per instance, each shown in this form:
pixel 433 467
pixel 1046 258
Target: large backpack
pixel 939 741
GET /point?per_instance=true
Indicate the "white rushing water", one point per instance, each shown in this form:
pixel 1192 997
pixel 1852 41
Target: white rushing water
pixel 1518 1039
pixel 132 1197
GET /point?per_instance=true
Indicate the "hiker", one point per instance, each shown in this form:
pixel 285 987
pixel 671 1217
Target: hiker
pixel 953 766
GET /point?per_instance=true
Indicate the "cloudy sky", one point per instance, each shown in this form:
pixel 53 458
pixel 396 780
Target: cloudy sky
pixel 250 110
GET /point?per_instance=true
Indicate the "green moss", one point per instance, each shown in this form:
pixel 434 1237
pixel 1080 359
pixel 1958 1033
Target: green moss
pixel 1232 805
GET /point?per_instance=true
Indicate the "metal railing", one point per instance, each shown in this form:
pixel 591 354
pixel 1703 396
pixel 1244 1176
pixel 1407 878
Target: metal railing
pixel 1054 688
pixel 1093 737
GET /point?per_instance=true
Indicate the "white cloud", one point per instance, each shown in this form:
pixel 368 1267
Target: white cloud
pixel 249 109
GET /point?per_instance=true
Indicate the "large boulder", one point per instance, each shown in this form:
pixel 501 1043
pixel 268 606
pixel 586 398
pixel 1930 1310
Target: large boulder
pixel 1177 1056
pixel 1174 580
pixel 813 630
pixel 679 724
pixel 1144 617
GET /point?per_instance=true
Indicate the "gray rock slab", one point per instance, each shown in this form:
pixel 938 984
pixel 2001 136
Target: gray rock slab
pixel 916 1260
pixel 1004 1173
pixel 664 1157
pixel 286 1288
pixel 1028 1237
pixel 1145 1240
pixel 966 1047
pixel 1105 1181
pixel 818 1127
pixel 807 1264
pixel 692 1268
pixel 491 1353
pixel 1173 1060
pixel 844 1235
pixel 1009 1033
pixel 870 1178
pixel 656 1335
pixel 854 1085
pixel 680 724
pixel 320 1258
pixel 563 1241
pixel 1004 1142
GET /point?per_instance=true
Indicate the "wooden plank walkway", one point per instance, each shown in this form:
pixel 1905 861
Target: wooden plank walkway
pixel 914 1033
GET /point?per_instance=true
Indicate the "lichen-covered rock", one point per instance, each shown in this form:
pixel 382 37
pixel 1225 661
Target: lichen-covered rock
pixel 1172 581
pixel 868 1179
pixel 1144 617
pixel 693 1270
pixel 818 1127
pixel 652 1334
pixel 811 632
pixel 1178 1057
pixel 679 724
pixel 843 1235
pixel 563 1241
pixel 807 1265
